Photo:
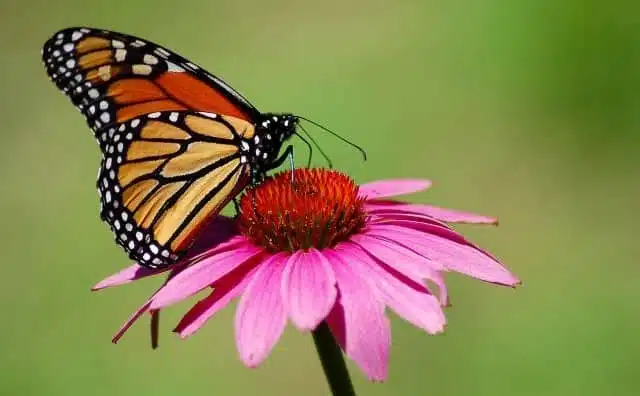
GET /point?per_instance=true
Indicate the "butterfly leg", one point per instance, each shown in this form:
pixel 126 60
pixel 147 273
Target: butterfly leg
pixel 288 154
pixel 236 206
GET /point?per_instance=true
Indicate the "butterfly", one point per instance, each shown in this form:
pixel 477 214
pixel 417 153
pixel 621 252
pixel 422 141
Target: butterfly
pixel 177 142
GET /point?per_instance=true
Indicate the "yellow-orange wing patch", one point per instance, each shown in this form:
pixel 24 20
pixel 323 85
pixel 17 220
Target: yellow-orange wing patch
pixel 164 175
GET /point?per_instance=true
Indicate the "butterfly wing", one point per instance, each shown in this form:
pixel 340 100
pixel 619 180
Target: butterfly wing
pixel 112 78
pixel 164 174
pixel 169 133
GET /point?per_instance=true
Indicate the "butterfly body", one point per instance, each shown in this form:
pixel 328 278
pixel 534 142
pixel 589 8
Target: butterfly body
pixel 177 142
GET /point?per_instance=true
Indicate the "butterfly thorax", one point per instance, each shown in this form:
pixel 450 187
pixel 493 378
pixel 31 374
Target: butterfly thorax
pixel 263 150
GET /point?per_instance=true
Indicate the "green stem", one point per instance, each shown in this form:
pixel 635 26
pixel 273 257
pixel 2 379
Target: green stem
pixel 333 364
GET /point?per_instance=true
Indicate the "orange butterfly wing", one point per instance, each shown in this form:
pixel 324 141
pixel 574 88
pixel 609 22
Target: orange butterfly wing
pixel 112 78
pixel 165 174
pixel 169 132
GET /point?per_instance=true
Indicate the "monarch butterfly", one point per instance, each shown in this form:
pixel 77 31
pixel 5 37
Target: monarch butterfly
pixel 177 142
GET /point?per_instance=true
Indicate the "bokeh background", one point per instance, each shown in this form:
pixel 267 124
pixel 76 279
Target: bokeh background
pixel 526 110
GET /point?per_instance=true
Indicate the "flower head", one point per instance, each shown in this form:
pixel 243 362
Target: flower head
pixel 320 248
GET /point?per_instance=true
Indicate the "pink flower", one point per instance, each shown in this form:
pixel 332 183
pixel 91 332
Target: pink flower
pixel 323 249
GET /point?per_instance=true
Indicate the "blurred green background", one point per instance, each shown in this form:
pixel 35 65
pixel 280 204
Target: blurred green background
pixel 527 110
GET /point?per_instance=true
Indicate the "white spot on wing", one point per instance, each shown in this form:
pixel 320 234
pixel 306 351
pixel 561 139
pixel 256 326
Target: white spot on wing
pixel 150 59
pixel 172 67
pixel 162 52
pixel 143 70
pixel 120 55
pixel 210 115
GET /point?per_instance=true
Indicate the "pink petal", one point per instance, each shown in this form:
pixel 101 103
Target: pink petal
pixel 411 301
pixel 449 252
pixel 260 316
pixel 202 274
pixel 359 324
pixel 384 215
pixel 235 242
pixel 411 264
pixel 144 308
pixel 402 259
pixel 392 187
pixel 436 278
pixel 439 229
pixel 225 290
pixel 442 214
pixel 132 319
pixel 335 321
pixel 127 275
pixel 308 288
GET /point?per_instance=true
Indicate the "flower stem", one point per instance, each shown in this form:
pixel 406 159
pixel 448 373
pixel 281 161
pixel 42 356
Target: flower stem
pixel 333 364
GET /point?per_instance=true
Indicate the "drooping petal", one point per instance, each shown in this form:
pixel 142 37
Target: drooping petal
pixel 392 187
pixel 224 291
pixel 202 253
pixel 308 288
pixel 381 216
pixel 436 278
pixel 411 264
pixel 202 274
pixel 453 255
pixel 260 316
pixel 359 324
pixel 127 275
pixel 144 308
pixel 438 213
pixel 410 300
pixel 132 319
pixel 404 260
pixel 438 229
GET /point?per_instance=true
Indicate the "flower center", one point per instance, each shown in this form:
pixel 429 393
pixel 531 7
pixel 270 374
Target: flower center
pixel 319 209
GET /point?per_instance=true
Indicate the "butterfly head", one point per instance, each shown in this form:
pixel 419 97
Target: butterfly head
pixel 280 126
pixel 264 148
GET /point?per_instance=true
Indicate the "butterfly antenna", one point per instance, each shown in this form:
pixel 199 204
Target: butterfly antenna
pixel 322 153
pixel 308 146
pixel 350 143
